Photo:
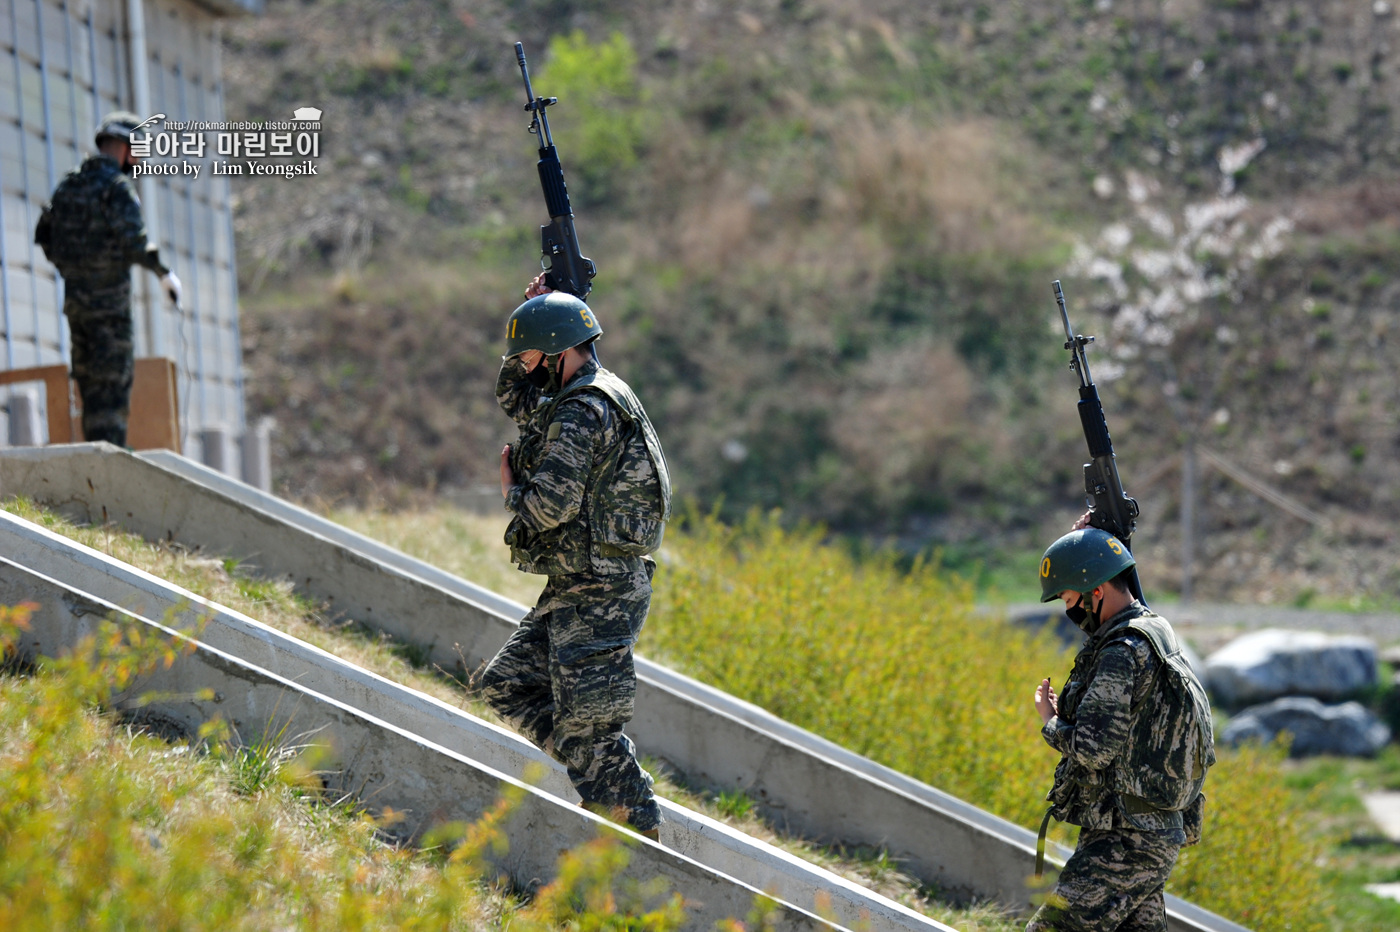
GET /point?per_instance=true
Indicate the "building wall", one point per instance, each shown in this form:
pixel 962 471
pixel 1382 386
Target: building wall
pixel 195 221
pixel 63 64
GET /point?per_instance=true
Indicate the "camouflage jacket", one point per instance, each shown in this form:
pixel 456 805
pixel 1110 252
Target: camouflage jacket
pixel 556 462
pixel 95 231
pixel 1098 733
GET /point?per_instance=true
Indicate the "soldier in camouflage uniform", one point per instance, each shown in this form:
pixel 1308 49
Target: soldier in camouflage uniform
pixel 93 232
pixel 1120 742
pixel 565 679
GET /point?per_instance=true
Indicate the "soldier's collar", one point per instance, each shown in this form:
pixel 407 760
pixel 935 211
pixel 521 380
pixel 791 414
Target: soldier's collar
pixel 589 367
pixel 1127 613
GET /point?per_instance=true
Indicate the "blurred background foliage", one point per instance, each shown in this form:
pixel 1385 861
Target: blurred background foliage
pixel 826 233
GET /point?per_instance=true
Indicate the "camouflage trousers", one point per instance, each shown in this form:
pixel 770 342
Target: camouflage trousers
pixel 99 320
pixel 566 681
pixel 1114 882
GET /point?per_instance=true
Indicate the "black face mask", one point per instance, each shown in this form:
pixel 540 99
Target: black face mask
pixel 545 376
pixel 1086 620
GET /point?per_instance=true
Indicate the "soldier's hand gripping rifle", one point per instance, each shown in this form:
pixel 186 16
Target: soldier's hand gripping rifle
pixel 1110 508
pixel 566 269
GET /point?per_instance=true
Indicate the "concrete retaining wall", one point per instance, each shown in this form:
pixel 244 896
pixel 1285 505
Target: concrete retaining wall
pixel 380 764
pixel 801 781
pixel 702 839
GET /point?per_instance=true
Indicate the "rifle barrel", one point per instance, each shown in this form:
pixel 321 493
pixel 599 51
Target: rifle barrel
pixel 536 105
pixel 1078 359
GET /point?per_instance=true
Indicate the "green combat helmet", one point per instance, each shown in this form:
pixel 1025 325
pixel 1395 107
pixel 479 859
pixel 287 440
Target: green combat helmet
pixel 1081 561
pixel 118 124
pixel 550 323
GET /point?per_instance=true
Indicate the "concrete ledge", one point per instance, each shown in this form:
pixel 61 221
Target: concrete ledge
pixel 704 840
pixel 339 534
pixel 382 765
pixel 801 781
pixel 678 683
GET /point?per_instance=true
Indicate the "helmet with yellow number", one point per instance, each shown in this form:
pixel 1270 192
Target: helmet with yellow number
pixel 1081 561
pixel 550 323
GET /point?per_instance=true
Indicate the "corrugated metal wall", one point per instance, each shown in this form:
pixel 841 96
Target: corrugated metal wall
pixel 63 65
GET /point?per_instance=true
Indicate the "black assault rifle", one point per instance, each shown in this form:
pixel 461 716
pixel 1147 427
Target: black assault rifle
pixel 1110 508
pixel 565 268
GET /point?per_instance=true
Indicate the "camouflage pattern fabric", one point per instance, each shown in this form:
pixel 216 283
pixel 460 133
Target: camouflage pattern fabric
pixel 1114 673
pixel 565 679
pixel 631 499
pixel 1114 882
pixel 103 361
pixel 96 231
pixel 1171 746
pixel 1116 876
pixel 558 463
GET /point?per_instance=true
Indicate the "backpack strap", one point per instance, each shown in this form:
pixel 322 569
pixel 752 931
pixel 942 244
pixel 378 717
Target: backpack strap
pixel 605 382
pixel 1040 843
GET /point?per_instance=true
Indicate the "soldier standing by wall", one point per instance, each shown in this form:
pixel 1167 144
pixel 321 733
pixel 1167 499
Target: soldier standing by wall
pixel 93 232
pixel 587 484
pixel 1133 729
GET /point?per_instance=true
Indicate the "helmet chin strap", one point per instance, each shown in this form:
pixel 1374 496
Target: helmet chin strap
pixel 1083 613
pixel 548 374
pixel 555 365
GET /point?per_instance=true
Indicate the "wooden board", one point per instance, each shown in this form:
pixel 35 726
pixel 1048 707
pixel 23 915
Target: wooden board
pixel 58 396
pixel 154 422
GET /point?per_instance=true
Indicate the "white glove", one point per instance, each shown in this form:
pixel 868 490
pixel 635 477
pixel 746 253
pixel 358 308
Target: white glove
pixel 171 284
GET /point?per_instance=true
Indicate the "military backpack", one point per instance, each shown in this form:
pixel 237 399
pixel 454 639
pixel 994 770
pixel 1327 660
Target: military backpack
pixel 73 227
pixel 1171 745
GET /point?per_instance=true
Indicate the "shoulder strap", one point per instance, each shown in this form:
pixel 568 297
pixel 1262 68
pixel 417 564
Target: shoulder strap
pixel 1158 634
pixel 621 395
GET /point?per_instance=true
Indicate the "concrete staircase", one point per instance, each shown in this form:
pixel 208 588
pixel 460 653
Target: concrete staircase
pixel 802 782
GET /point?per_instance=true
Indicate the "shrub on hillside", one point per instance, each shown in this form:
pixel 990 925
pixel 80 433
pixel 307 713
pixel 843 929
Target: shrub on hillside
pixel 600 107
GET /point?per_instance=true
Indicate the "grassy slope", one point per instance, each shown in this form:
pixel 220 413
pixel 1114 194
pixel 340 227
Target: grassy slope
pixel 784 623
pixel 917 686
pixel 343 848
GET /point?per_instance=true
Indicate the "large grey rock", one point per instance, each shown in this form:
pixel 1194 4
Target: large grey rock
pixel 1348 730
pixel 1272 663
